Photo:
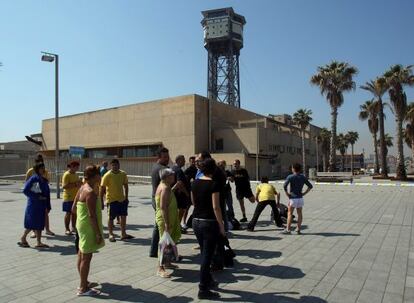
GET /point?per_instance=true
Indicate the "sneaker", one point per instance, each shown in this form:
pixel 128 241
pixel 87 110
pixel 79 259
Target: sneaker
pixel 214 284
pixel 243 220
pixel 286 232
pixel 184 226
pixel 208 295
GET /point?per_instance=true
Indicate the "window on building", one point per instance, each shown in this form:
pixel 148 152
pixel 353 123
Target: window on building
pixel 219 144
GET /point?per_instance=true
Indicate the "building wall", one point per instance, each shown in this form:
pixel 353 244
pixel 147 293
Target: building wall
pixel 168 121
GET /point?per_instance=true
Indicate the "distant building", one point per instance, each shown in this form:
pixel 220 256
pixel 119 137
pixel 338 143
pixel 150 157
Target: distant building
pixel 14 157
pixel 134 133
pixel 359 162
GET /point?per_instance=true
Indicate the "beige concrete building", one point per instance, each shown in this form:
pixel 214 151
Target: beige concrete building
pixel 181 124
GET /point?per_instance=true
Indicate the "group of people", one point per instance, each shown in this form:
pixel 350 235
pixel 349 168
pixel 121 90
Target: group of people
pixel 205 186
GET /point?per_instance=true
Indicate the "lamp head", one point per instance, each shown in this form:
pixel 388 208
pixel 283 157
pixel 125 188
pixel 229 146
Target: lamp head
pixel 48 58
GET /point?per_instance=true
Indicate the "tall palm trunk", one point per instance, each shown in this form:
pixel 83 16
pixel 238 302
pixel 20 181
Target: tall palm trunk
pixel 303 153
pixel 384 168
pixel 376 160
pixel 352 159
pixel 332 152
pixel 324 162
pixel 343 162
pixel 401 173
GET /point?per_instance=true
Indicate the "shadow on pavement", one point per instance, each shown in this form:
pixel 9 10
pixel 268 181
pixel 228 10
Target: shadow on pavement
pixel 258 254
pixel 247 296
pixel 272 271
pixel 332 234
pixel 252 236
pixel 63 250
pixel 126 293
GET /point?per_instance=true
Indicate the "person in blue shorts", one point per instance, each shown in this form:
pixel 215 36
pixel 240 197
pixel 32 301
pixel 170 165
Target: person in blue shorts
pixel 296 181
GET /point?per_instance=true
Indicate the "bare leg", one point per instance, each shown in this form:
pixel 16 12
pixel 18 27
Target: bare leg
pixel 111 227
pixel 47 227
pixel 84 271
pixel 299 211
pixel 123 226
pixel 78 263
pixel 181 213
pixel 38 237
pixel 23 239
pixel 67 220
pixel 289 221
pixel 184 219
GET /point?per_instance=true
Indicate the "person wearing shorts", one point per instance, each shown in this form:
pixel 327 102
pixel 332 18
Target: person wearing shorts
pixel 71 184
pixel 243 190
pixel 114 185
pixel 296 181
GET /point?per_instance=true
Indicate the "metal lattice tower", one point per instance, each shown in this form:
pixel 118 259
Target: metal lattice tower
pixel 223 39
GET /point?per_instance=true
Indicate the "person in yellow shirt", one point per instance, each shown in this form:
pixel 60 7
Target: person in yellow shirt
pixel 266 194
pixel 114 186
pixel 70 184
pixel 46 175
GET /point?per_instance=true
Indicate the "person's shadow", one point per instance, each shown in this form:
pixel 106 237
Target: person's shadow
pixel 247 296
pixel 258 254
pixel 126 293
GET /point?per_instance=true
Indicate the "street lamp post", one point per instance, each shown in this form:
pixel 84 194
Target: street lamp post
pixel 48 57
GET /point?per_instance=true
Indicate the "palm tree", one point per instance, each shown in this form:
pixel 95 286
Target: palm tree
pixel 342 145
pixel 397 77
pixel 353 138
pixel 388 143
pixel 333 80
pixel 302 117
pixel 409 128
pixel 378 88
pixel 325 139
pixel 369 111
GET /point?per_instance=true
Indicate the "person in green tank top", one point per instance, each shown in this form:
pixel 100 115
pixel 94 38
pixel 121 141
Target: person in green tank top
pixel 166 214
pixel 87 213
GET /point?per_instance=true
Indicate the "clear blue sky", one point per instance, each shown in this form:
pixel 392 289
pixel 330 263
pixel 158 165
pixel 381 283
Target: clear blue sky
pixel 120 52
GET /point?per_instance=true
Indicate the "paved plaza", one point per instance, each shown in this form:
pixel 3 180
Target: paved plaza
pixel 358 246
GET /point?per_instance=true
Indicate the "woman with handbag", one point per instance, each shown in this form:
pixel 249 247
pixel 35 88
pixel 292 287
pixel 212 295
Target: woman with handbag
pixel 38 198
pixel 166 216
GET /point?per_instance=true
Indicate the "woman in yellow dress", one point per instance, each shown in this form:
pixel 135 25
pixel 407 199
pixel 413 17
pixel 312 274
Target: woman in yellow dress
pixel 88 218
pixel 166 214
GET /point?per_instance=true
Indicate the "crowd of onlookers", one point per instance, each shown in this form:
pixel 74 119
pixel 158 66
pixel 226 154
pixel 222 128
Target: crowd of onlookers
pixel 198 197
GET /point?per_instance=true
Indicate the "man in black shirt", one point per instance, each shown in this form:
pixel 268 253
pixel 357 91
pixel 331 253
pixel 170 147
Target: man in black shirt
pixel 227 196
pixel 243 190
pixel 162 163
pixel 183 193
pixel 191 171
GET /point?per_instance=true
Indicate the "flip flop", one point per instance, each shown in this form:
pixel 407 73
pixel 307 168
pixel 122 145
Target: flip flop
pixel 112 239
pixel 50 233
pixel 127 237
pixel 42 246
pixel 90 285
pixel 23 244
pixel 92 292
pixel 68 233
pixel 163 274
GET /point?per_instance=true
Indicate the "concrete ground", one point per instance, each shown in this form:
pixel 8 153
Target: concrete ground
pixel 358 246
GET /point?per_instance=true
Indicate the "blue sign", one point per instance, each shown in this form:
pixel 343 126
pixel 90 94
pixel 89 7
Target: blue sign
pixel 76 151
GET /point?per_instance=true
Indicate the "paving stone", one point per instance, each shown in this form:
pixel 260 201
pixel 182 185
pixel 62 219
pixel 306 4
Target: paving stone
pixel 343 256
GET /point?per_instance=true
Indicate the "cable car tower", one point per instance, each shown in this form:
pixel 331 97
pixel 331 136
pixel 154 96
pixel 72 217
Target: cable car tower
pixel 223 39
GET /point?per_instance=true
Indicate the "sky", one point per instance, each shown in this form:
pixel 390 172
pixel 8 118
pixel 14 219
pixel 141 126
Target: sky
pixel 115 53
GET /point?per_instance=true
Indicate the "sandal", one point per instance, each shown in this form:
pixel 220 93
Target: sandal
pixel 42 245
pixel 91 292
pixel 127 237
pixel 50 233
pixel 23 244
pixel 68 233
pixel 163 274
pixel 90 285
pixel 112 239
